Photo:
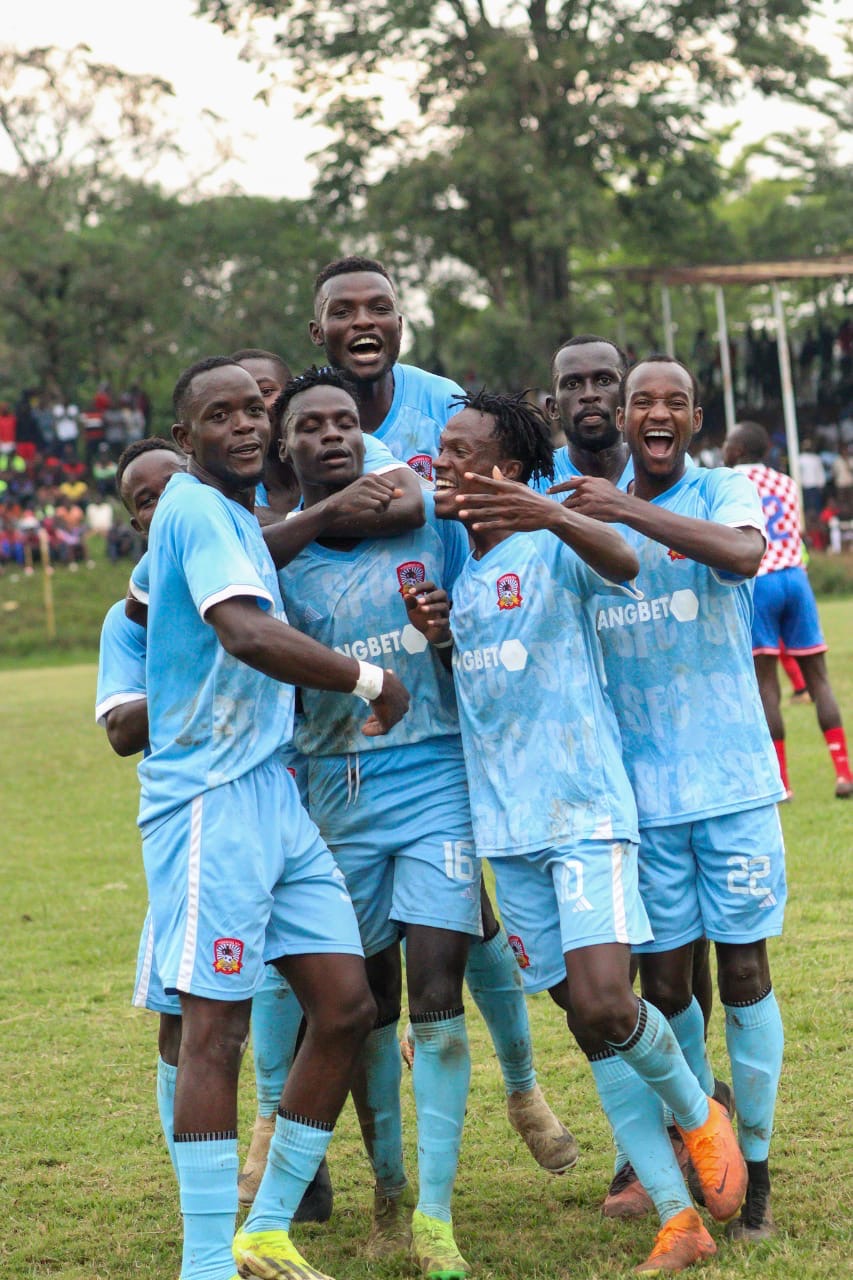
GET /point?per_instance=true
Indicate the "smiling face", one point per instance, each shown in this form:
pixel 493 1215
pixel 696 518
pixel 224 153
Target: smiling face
pixel 143 482
pixel 659 419
pixel 467 443
pixel 227 430
pixel 586 394
pixel 322 438
pixel 356 319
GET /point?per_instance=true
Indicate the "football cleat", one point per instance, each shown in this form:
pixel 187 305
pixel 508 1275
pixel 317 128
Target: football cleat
pixel 391 1230
pixel 719 1164
pixel 435 1251
pixel 547 1139
pixel 681 1241
pixel 755 1222
pixel 626 1196
pixel 271 1255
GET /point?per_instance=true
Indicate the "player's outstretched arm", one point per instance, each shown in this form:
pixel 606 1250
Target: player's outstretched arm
pixel 428 608
pixel 373 506
pixel 127 727
pixel 282 652
pixel 727 548
pixel 512 506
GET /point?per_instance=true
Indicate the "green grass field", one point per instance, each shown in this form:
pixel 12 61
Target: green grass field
pixel 88 1189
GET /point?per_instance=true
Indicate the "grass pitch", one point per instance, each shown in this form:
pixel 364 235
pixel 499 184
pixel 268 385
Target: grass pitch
pixel 88 1189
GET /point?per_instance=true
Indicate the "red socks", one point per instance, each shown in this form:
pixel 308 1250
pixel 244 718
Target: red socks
pixel 837 744
pixel 783 764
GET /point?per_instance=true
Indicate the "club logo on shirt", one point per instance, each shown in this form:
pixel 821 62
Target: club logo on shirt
pixel 509 591
pixel 521 956
pixel 410 574
pixel 227 955
pixel 675 555
pixel 421 464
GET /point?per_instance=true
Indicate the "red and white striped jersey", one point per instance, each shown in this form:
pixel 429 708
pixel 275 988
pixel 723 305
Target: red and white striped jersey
pixel 780 503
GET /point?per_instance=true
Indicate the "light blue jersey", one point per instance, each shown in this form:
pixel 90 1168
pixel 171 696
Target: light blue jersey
pixel 565 469
pixel 422 406
pixel 377 457
pixel 121 662
pixel 680 669
pixel 211 717
pixel 540 736
pixel 352 602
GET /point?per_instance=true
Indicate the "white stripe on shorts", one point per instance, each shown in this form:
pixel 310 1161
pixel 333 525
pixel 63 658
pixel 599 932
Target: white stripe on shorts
pixel 619 922
pixel 185 971
pixel 140 995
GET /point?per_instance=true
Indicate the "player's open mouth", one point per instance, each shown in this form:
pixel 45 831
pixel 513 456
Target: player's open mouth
pixel 335 455
pixel 247 450
pixel 365 347
pixel 442 483
pixel 659 442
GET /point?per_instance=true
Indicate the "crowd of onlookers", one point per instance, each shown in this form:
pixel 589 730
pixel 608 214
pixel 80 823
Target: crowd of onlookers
pixel 57 476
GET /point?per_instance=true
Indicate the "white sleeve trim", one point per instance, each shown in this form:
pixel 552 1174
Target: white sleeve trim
pixel 103 709
pixel 389 466
pixel 230 593
pixel 137 593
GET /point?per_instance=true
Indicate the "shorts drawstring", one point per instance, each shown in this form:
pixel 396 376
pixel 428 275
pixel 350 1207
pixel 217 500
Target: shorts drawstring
pixel 353 778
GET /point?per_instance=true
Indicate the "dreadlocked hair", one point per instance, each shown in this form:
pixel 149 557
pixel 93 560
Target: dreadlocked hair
pixel 325 376
pixel 520 427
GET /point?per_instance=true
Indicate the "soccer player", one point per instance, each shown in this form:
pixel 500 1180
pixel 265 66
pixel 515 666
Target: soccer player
pixel 696 745
pixel 785 606
pixel 587 371
pixel 237 874
pixel 143 471
pixel 278 492
pixel 395 814
pixel 357 320
pixel 551 803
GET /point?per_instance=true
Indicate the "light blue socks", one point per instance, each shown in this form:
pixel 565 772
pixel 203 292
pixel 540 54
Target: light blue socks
pixel 495 983
pixel 441 1076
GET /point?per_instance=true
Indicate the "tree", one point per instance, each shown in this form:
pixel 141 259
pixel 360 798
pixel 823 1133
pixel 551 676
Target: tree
pixel 544 130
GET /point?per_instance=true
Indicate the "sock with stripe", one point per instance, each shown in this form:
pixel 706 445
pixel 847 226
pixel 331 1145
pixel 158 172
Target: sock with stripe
pixel 654 1053
pixel 207 1173
pixel 297 1147
pixel 755 1040
pixel 837 743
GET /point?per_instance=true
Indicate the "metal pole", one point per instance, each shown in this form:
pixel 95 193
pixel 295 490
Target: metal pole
pixel 668 333
pixel 789 405
pixel 725 359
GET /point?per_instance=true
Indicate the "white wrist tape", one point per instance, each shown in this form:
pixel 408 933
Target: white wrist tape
pixel 369 683
pixel 443 644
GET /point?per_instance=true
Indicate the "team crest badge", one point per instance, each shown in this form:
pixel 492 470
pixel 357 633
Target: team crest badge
pixel 410 574
pixel 421 463
pixel 675 555
pixel 509 591
pixel 227 955
pixel 521 956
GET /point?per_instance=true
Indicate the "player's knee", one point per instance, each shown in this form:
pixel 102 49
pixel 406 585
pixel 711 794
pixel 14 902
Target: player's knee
pixel 666 990
pixel 215 1031
pixel 349 1016
pixel 743 973
pixel 607 1011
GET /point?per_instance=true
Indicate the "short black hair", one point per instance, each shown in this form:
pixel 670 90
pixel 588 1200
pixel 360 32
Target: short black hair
pixel 257 353
pixel 753 439
pixel 659 358
pixel 347 267
pixel 324 376
pixel 135 450
pixel 181 393
pixel 583 340
pixel 520 427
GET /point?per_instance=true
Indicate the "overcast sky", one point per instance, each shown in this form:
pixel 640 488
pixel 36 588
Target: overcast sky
pixel 163 38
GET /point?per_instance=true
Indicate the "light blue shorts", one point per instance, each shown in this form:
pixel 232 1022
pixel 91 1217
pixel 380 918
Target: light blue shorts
pixel 561 899
pixel 722 877
pixel 148 990
pixel 238 876
pixel 399 824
